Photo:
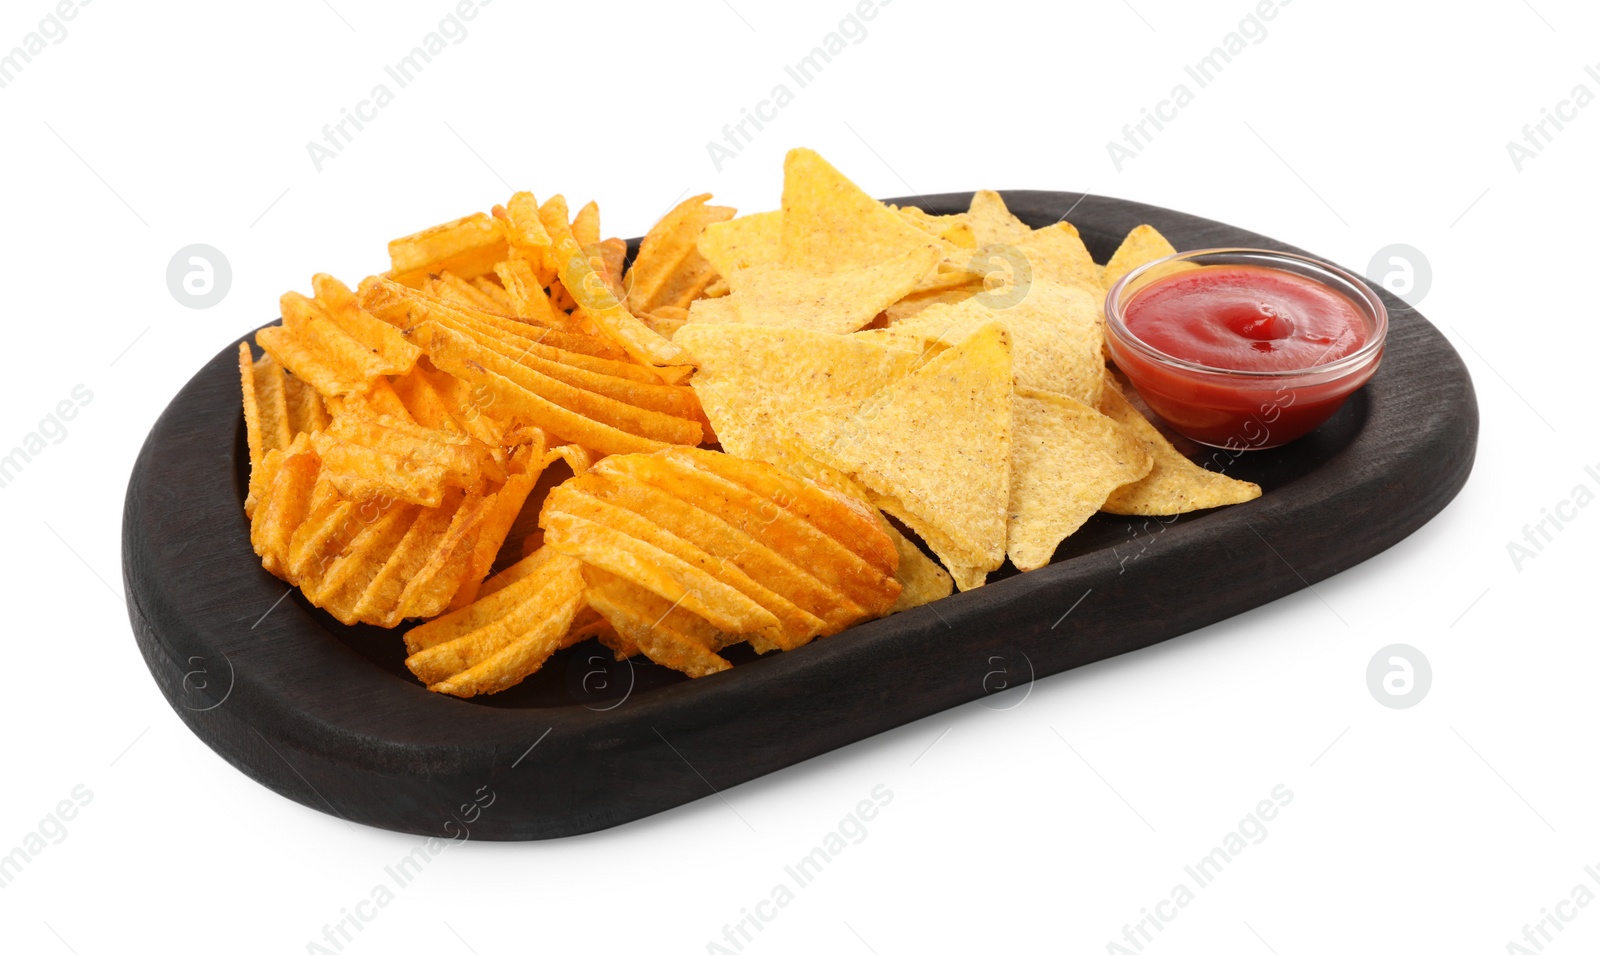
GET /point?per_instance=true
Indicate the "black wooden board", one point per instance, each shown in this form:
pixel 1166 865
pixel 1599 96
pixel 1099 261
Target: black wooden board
pixel 328 716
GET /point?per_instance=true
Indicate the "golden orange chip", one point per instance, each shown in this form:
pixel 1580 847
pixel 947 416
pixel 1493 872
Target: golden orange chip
pixel 469 247
pixel 670 272
pixel 665 633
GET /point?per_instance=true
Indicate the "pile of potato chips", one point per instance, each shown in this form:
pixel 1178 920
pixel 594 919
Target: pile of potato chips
pixel 851 360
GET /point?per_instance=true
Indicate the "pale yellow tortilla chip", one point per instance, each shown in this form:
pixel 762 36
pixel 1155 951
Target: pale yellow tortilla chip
pixel 830 223
pixel 936 446
pixel 751 377
pixel 1055 335
pixel 837 300
pixel 742 242
pixel 1057 253
pixel 1066 458
pixel 1143 245
pixel 921 578
pixel 917 301
pixel 1175 485
pixel 992 222
pixel 952 229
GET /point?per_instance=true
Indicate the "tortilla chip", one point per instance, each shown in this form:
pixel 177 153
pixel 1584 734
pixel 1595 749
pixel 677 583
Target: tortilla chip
pixel 1175 485
pixel 954 483
pixel 922 580
pixel 830 223
pixel 740 243
pixel 1066 458
pixel 1144 244
pixel 1055 336
pixel 838 301
pixel 752 378
pixel 992 222
pixel 1056 253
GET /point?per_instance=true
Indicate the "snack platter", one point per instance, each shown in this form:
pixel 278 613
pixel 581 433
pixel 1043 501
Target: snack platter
pixel 328 714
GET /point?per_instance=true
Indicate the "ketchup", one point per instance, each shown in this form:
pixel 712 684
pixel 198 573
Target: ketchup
pixel 1243 318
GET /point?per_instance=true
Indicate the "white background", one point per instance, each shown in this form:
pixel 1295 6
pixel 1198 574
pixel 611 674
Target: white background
pixel 1047 825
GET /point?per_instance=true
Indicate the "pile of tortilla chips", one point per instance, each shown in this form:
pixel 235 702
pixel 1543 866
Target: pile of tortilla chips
pixel 851 359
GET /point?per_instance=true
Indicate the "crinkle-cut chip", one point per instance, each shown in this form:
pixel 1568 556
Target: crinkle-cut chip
pixel 1175 485
pixel 469 247
pixel 450 287
pixel 669 271
pixel 636 547
pixel 428 593
pixel 516 662
pixel 952 229
pixel 838 300
pixel 461 458
pixel 330 372
pixel 524 231
pixel 466 637
pixel 992 222
pixel 739 560
pixel 752 377
pixel 635 386
pixel 528 300
pixel 378 401
pixel 534 558
pixel 1057 254
pixel 921 578
pixel 600 306
pixel 330 521
pixel 667 635
pixel 268 426
pixel 586 224
pixel 1066 458
pixel 589 624
pixel 1142 246
pixel 307 412
pixel 284 504
pixel 829 223
pixel 755 239
pixel 666 319
pixel 568 411
pixel 579 459
pixel 507 503
pixel 958 483
pixel 381 604
pixel 405 309
pixel 490 286
pixel 349 576
pixel 339 304
pixel 611 255
pixel 917 301
pixel 806 544
pixel 1055 335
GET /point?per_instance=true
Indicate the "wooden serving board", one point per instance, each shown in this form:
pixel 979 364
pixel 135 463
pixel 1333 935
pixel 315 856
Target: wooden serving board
pixel 328 716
